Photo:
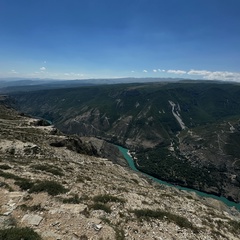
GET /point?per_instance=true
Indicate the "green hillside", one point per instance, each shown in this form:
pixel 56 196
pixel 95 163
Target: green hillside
pixel 186 133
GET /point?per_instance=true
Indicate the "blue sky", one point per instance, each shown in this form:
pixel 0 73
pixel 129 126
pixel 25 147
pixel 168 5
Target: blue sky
pixel 74 39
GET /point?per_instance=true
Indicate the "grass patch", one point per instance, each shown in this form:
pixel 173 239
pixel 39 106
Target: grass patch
pixel 147 214
pixel 23 183
pixel 18 234
pixel 33 208
pixel 49 168
pixel 100 206
pixel 108 198
pixel 51 187
pixel 234 226
pixel 105 220
pixel 119 234
pixel 9 175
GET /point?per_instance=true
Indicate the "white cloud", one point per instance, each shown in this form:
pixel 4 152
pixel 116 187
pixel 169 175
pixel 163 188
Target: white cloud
pixel 177 71
pixel 13 71
pixel 145 71
pixel 154 70
pixel 72 74
pixel 216 75
pixel 198 72
pixel 132 71
pixel 44 62
pixel 42 68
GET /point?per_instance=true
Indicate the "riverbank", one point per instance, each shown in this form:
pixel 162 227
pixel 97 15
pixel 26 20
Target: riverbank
pixel 131 164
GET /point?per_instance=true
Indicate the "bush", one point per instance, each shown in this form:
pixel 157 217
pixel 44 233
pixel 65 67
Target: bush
pixel 9 175
pixel 5 185
pixel 19 234
pixel 24 184
pixel 51 187
pixel 48 168
pixel 100 206
pixel 108 198
pixel 234 226
pixel 33 208
pixel 119 234
pixel 159 214
pixel 74 200
pixel 5 167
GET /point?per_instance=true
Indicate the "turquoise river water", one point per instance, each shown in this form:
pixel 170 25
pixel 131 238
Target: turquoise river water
pixel 131 164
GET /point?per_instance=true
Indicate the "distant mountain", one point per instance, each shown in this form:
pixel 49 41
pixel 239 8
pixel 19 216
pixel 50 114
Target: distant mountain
pixel 21 85
pixel 22 82
pixel 187 133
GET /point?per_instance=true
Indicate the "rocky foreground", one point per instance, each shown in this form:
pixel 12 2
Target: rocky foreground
pixel 51 184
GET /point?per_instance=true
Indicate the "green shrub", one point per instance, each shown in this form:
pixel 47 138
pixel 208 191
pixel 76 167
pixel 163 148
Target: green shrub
pixel 100 206
pixel 119 234
pixel 19 234
pixel 5 167
pixel 48 168
pixel 81 179
pixel 74 200
pixel 234 226
pixel 5 185
pixel 105 220
pixel 108 198
pixel 51 187
pixel 159 214
pixel 33 208
pixel 9 175
pixel 135 180
pixel 24 184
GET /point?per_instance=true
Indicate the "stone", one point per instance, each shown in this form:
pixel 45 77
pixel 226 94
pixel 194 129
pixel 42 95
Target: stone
pixel 97 227
pixel 7 213
pixel 32 219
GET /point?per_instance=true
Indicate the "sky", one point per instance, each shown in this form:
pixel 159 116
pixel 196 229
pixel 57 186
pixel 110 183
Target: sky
pixel 80 39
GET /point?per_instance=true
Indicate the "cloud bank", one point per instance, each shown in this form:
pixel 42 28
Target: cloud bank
pixel 180 72
pixel 216 75
pixel 209 75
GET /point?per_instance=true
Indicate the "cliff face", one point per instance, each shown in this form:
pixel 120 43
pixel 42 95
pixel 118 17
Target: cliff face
pixel 49 182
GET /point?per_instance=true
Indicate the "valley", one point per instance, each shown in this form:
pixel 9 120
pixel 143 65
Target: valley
pixel 55 186
pixel 184 133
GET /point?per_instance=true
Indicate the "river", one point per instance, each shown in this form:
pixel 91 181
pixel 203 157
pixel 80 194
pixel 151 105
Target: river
pixel 131 164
